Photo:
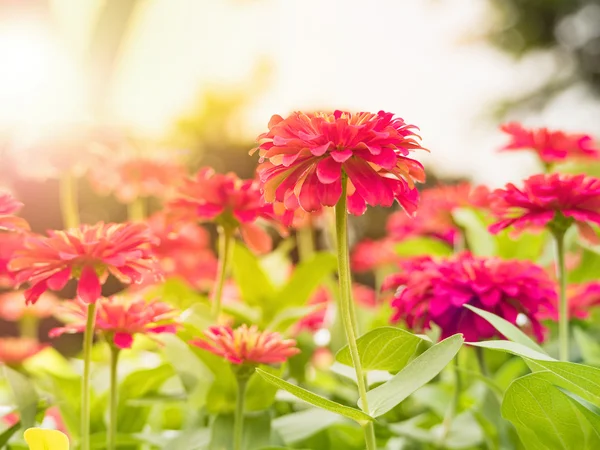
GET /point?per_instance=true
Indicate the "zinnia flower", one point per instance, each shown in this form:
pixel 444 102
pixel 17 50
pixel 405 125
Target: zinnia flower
pixel 119 318
pixel 554 201
pixel 550 146
pixel 227 200
pixel 370 255
pixel 9 244
pixel 435 292
pixel 88 253
pixel 581 299
pixel 247 345
pixel 302 159
pixel 8 208
pixel 13 308
pixel 15 350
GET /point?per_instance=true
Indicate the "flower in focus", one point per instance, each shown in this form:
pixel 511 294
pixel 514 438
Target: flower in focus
pixel 15 350
pixel 88 253
pixel 8 208
pixel 41 439
pixel 227 200
pixel 554 200
pixel 369 255
pixel 431 291
pixel 550 146
pixel 13 308
pixel 247 345
pixel 9 244
pixel 119 318
pixel 302 159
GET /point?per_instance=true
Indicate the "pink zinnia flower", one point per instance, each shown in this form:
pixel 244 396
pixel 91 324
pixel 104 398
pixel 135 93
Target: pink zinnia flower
pixel 303 156
pixel 581 299
pixel 8 208
pixel 120 318
pixel 370 255
pixel 554 200
pixel 550 146
pixel 13 308
pixel 435 292
pixel 247 345
pixel 88 253
pixel 15 350
pixel 9 244
pixel 227 200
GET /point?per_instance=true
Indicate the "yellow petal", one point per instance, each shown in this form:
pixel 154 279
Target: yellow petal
pixel 40 439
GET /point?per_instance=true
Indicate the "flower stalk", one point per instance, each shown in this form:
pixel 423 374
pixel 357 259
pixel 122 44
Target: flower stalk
pixel 136 210
pixel 111 442
pixel 242 375
pixel 88 341
pixel 346 307
pixel 225 254
pixel 563 306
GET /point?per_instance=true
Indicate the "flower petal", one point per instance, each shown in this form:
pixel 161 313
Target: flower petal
pixel 89 288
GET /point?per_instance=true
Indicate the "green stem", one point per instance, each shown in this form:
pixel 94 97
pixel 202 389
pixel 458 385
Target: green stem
pixel 453 408
pixel 28 326
pixel 136 210
pixel 88 340
pixel 479 353
pixel 111 442
pixel 563 312
pixel 305 243
pixel 238 420
pixel 347 309
pixel 68 200
pixel 225 250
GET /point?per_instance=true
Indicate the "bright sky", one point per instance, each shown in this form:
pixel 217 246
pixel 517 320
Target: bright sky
pixel 420 59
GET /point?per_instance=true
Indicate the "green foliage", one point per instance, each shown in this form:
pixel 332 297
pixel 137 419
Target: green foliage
pixel 421 246
pixel 24 395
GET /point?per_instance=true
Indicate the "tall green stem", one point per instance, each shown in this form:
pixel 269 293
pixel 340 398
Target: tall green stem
pixel 28 326
pixel 111 442
pixel 481 361
pixel 305 243
pixel 346 306
pixel 238 419
pixel 136 210
pixel 453 407
pixel 225 250
pixel 88 340
pixel 563 312
pixel 68 200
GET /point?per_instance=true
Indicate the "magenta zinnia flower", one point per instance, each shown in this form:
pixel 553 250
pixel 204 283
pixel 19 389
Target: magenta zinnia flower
pixel 88 253
pixel 435 292
pixel 119 318
pixel 303 156
pixel 247 345
pixel 550 146
pixel 8 208
pixel 554 200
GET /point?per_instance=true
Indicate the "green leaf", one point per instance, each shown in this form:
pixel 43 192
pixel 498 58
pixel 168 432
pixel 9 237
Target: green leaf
pixel 289 316
pixel 303 424
pixel 177 293
pixel 589 346
pixel 480 241
pixel 314 399
pixel 416 374
pixel 25 396
pixel 257 432
pixel 7 434
pixel 544 417
pixel 527 246
pixel 588 268
pixel 507 329
pixel 254 284
pixel 514 348
pixel 589 411
pixel 384 348
pixel 422 246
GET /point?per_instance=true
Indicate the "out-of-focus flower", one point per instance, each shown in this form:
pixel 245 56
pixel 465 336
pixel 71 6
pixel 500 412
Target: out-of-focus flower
pixel 9 244
pixel 41 439
pixel 182 249
pixel 247 345
pixel 52 418
pixel 8 208
pixel 13 308
pixel 88 253
pixel 436 291
pixel 370 255
pixel 132 178
pixel 554 200
pixel 581 299
pixel 434 218
pixel 550 146
pixel 228 201
pixel 302 159
pixel 15 350
pixel 119 318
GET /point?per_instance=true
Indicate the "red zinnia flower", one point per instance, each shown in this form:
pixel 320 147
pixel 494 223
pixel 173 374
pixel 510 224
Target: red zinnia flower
pixel 435 292
pixel 12 307
pixel 120 318
pixel 8 207
pixel 15 350
pixel 545 199
pixel 88 253
pixel 247 345
pixel 303 156
pixel 550 146
pixel 226 199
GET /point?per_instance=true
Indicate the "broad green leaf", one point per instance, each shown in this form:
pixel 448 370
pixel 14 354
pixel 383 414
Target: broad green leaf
pixel 507 329
pixel 177 293
pixel 588 345
pixel 514 348
pixel 40 439
pixel 303 424
pixel 385 348
pixel 422 246
pixel 480 241
pixel 590 412
pixel 544 417
pixel 25 396
pixel 314 399
pixel 254 284
pixel 415 375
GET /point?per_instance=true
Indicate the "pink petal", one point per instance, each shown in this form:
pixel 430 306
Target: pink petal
pixel 356 204
pixel 329 170
pixel 341 155
pixel 257 239
pixel 123 340
pixel 58 281
pixel 89 288
pixel 329 194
